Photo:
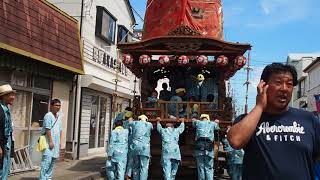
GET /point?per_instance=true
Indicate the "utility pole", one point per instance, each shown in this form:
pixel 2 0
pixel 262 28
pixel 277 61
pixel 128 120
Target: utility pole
pixel 116 81
pixel 247 83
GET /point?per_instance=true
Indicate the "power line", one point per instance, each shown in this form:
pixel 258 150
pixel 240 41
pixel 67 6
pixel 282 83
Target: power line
pixel 137 14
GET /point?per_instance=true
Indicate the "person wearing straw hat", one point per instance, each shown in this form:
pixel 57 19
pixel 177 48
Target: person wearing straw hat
pixel 180 92
pixel 117 152
pixel 7 96
pixel 204 151
pixel 140 147
pixel 171 157
pixel 122 116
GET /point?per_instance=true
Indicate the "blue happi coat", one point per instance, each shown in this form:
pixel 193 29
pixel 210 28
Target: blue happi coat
pixel 118 149
pixel 50 155
pixel 172 106
pixel 6 164
pixel 118 145
pixel 205 129
pixel 141 132
pixel 204 157
pixel 140 148
pixel 170 139
pixel 233 156
pixel 234 160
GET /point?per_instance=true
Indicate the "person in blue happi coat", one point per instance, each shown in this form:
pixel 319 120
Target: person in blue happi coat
pixel 234 160
pixel 117 152
pixel 172 107
pixel 52 128
pixel 204 151
pixel 122 116
pixel 126 122
pixel 152 100
pixel 140 147
pixel 171 156
pixel 7 96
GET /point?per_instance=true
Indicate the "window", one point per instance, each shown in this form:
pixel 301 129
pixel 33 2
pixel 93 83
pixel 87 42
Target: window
pixel 21 79
pixel 40 108
pixel 301 89
pixel 105 25
pixel 123 34
pixel 42 82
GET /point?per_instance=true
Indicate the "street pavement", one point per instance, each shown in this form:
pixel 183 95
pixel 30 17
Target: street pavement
pixel 88 169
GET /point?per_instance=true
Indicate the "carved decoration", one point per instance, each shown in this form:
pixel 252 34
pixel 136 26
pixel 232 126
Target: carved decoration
pixel 183 47
pixel 184 31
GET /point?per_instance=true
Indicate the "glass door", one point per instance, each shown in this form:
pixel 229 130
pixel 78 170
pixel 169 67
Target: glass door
pixel 93 121
pixel 102 121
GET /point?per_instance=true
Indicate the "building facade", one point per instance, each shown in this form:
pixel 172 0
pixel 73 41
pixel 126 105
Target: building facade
pixel 300 62
pixel 313 82
pixel 107 86
pixel 40 55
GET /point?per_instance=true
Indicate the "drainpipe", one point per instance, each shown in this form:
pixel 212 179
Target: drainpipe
pixel 77 119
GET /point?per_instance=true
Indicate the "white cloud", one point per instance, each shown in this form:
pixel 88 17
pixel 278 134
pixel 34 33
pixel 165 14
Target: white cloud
pixel 268 13
pixel 277 12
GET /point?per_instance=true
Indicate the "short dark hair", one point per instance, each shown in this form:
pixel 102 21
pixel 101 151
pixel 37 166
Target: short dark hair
pixel 277 68
pixel 118 123
pixel 55 101
pixel 210 97
pixel 128 109
pixel 164 85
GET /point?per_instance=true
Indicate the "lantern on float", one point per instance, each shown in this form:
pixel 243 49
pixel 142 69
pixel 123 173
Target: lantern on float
pixel 164 60
pixel 127 59
pixel 202 60
pixel 144 59
pixel 183 60
pixel 240 61
pixel 221 60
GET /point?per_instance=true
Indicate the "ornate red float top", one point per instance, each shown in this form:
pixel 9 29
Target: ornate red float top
pixel 167 17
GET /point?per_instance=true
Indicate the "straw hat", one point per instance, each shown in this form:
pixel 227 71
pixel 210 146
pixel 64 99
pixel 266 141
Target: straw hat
pixel 128 114
pixel 180 90
pixel 205 116
pixel 6 89
pixel 143 118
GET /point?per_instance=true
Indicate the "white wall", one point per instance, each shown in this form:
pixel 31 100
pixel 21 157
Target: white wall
pixel 61 91
pixel 118 9
pixel 300 62
pixel 314 86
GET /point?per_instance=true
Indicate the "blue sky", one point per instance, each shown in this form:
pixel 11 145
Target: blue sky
pixel 273 27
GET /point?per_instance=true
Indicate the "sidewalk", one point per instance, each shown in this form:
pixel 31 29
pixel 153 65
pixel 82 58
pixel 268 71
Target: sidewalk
pixel 89 169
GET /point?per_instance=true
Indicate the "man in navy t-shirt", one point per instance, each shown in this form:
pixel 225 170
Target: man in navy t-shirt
pixel 280 143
